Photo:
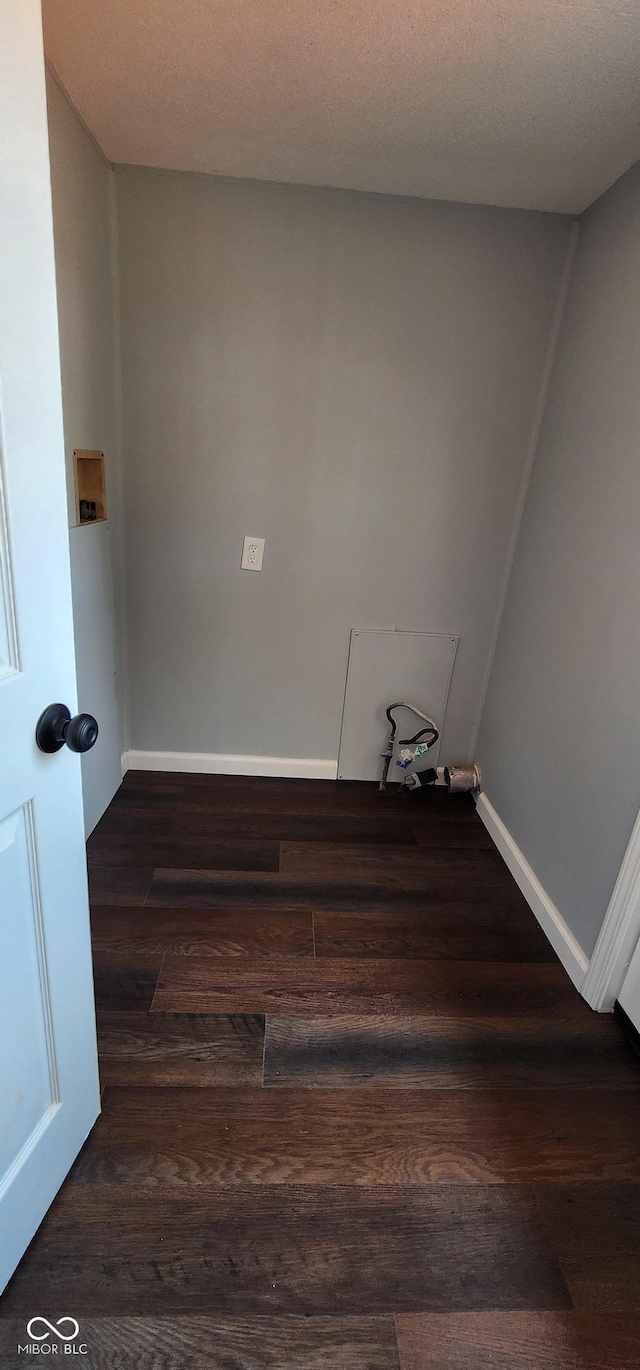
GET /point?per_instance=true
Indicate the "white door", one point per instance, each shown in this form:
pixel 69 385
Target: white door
pixel 49 1096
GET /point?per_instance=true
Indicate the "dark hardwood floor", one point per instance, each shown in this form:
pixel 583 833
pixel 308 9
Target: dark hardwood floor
pixel 355 1116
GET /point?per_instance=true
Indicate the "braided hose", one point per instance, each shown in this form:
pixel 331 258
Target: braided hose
pixel 405 741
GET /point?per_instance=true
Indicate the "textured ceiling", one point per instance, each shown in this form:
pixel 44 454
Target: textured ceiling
pixel 533 103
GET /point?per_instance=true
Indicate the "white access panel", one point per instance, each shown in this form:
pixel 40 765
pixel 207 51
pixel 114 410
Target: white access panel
pixel 386 666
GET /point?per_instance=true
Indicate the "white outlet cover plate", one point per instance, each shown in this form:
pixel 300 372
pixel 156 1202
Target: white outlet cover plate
pixel 252 554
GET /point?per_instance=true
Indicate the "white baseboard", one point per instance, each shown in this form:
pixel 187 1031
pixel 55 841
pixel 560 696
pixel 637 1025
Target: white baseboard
pixel 218 763
pixel 565 945
pixel 619 932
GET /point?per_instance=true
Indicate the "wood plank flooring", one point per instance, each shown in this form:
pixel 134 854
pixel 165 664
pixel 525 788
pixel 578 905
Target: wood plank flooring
pixel 354 1113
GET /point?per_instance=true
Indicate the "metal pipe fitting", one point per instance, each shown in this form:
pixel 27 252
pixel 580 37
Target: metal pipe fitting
pixel 460 778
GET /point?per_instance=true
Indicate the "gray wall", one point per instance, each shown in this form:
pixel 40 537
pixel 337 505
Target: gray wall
pixel 82 188
pixel 354 378
pixel 559 742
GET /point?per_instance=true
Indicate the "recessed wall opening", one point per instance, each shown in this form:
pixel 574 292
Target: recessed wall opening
pixel 89 478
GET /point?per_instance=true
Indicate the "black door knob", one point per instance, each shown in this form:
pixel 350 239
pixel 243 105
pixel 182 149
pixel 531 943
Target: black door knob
pixel 56 726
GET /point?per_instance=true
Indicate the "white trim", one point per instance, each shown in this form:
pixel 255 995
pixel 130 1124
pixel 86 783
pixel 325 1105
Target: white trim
pixel 619 932
pixel 554 336
pixel 119 568
pixel 573 958
pixel 219 763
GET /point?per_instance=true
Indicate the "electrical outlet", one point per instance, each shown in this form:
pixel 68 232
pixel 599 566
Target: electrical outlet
pixel 252 554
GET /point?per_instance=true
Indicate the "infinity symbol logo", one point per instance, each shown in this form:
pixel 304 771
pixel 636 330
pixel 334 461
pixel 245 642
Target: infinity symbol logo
pixel 64 1336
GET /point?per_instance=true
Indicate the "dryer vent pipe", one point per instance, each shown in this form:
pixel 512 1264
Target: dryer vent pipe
pixel 459 778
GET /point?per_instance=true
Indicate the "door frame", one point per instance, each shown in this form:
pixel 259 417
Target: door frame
pixel 619 933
